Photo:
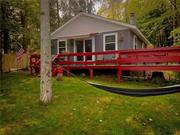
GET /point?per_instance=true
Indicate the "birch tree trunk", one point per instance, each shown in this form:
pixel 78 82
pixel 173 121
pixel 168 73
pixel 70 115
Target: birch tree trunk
pixel 45 84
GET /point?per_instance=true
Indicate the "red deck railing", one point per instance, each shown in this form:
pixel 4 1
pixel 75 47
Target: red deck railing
pixel 166 58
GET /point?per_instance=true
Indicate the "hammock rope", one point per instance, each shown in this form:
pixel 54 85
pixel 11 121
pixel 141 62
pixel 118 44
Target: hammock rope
pixel 132 92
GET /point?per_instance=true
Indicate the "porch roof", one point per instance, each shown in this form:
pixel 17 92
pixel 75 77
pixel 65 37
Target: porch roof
pixel 77 36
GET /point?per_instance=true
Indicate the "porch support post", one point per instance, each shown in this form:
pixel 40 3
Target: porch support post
pixel 91 73
pixel 68 71
pixel 119 74
pixel 30 63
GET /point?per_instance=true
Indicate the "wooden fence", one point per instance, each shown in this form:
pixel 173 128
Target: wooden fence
pixel 10 64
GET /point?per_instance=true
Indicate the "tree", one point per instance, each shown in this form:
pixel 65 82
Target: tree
pixel 157 19
pixel 4 29
pixel 5 25
pixel 63 10
pixel 113 9
pixel 45 83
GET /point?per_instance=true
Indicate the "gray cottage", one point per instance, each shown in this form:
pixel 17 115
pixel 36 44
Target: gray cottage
pixel 91 33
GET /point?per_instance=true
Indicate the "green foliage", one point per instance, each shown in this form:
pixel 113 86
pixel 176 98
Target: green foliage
pixel 63 10
pixel 23 23
pixel 155 18
pixel 113 9
pixel 176 35
pixel 79 108
pixel 22 19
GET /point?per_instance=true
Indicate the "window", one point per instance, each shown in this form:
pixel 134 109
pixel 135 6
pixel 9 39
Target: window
pixel 62 46
pixel 110 41
pixel 143 45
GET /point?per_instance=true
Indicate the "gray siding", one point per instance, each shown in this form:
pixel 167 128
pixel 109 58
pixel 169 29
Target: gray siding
pixel 54 46
pixel 125 41
pixel 139 41
pixel 70 45
pixel 99 43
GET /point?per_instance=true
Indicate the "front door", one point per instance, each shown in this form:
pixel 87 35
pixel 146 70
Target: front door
pixel 80 49
pixel 88 47
pixel 85 45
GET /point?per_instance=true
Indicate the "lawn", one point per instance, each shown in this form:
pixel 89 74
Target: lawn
pixel 79 108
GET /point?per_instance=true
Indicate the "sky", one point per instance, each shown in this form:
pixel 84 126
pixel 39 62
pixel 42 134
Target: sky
pixel 98 5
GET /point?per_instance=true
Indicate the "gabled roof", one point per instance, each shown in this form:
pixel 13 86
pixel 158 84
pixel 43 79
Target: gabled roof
pixel 107 25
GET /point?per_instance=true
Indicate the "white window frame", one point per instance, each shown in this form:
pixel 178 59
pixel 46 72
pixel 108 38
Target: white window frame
pixel 134 42
pixel 58 44
pixel 116 40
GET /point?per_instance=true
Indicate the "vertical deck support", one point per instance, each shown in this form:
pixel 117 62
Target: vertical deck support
pixel 91 73
pixel 119 68
pixel 30 63
pixel 68 66
pixel 68 71
pixel 119 74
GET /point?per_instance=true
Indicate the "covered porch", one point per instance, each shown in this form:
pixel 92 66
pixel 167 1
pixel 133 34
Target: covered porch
pixel 77 44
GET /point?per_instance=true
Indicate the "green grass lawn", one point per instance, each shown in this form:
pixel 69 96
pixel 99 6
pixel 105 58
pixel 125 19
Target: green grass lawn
pixel 79 108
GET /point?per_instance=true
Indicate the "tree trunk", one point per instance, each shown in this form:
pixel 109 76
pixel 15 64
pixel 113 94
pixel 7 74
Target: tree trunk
pixel 45 84
pixel 57 12
pixel 24 25
pixel 1 55
pixel 4 11
pixel 158 77
pixel 89 6
pixel 6 41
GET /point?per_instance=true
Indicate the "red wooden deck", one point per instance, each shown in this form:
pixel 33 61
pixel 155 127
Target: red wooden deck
pixel 158 59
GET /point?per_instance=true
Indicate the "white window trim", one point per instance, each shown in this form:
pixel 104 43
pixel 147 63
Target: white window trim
pixel 58 44
pixel 74 50
pixel 134 42
pixel 116 40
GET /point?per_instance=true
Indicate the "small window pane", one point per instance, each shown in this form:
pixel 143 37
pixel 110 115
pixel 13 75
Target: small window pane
pixel 110 38
pixel 88 45
pixel 110 46
pixel 61 50
pixel 62 44
pixel 79 44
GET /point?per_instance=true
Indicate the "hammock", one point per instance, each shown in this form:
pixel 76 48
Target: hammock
pixel 139 92
pixel 133 92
